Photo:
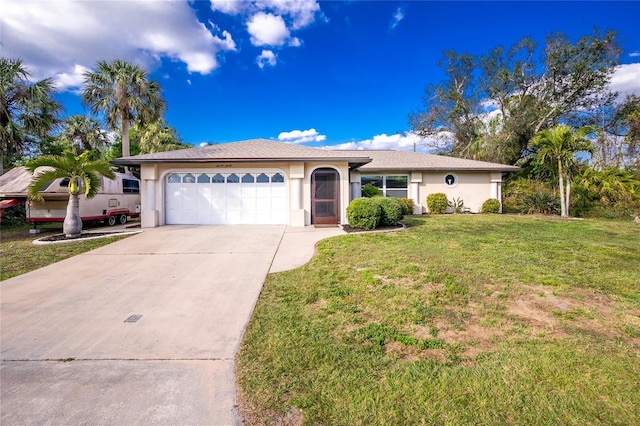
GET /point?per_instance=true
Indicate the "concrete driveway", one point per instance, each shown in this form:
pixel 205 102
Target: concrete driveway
pixel 142 331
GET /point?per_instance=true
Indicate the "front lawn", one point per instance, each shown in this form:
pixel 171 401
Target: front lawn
pixel 19 255
pixel 465 319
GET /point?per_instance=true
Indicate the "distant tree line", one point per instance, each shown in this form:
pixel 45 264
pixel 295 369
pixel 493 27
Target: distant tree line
pixel 548 109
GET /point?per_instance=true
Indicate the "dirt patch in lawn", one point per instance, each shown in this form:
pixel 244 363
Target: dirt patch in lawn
pixel 533 312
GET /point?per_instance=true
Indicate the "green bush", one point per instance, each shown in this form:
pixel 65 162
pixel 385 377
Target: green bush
pixel 530 196
pixel 364 213
pixel 409 205
pixel 391 209
pixel 370 190
pixel 437 203
pixel 492 205
pixel 14 216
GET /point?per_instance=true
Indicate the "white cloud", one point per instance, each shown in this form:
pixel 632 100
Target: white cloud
pixel 301 12
pixel 74 78
pixel 626 79
pixel 267 30
pixel 399 142
pixel 271 22
pixel 230 7
pixel 301 136
pixel 58 38
pixel 267 57
pixel 298 13
pixel 634 54
pixel 397 17
pixel 295 42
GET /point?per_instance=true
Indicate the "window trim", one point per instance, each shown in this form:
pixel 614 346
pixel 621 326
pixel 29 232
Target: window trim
pixel 455 180
pixel 384 183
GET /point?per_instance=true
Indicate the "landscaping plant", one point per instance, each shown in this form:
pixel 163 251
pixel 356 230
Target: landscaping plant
pixel 492 205
pixel 437 203
pixel 409 205
pixel 391 210
pixel 370 190
pixel 363 213
pixel 456 204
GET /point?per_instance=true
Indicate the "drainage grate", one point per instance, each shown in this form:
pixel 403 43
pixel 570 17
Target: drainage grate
pixel 133 318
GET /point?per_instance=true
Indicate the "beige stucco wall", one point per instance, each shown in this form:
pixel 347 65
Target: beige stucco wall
pixel 298 178
pixel 474 188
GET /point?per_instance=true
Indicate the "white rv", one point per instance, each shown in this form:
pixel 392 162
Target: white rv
pixel 116 201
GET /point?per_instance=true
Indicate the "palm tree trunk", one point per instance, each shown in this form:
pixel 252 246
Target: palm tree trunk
pixel 126 150
pixel 568 194
pixel 72 225
pixel 563 208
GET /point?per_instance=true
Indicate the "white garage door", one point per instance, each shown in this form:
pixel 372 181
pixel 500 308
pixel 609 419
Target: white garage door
pixel 234 197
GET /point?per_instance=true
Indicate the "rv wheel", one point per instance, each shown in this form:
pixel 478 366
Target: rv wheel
pixel 123 219
pixel 112 220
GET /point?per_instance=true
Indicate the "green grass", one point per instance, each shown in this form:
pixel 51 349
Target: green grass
pixel 19 255
pixel 465 319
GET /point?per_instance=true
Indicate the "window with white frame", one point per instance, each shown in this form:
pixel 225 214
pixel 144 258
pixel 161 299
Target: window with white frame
pixel 390 185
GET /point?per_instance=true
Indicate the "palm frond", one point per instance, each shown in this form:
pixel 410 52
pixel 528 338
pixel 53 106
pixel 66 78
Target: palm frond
pixel 92 184
pixel 42 178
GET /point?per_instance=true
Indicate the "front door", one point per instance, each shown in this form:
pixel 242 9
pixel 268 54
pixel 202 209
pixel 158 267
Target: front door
pixel 325 197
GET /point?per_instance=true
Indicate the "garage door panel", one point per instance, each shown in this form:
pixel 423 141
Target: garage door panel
pixel 234 197
pixel 263 204
pixel 234 217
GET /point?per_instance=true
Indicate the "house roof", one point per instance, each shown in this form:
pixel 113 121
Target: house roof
pixel 14 183
pixel 263 150
pixel 254 150
pixel 405 160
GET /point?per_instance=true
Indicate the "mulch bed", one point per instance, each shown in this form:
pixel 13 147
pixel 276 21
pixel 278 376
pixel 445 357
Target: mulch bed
pixel 351 230
pixel 62 237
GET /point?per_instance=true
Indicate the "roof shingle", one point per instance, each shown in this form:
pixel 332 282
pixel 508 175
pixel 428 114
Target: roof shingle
pixel 250 150
pixel 263 150
pixel 404 160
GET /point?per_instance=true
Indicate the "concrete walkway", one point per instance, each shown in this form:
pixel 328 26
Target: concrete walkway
pixel 142 331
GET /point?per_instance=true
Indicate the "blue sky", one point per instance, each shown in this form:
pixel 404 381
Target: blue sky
pixel 343 74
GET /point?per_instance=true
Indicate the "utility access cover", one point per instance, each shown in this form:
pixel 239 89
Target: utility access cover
pixel 133 318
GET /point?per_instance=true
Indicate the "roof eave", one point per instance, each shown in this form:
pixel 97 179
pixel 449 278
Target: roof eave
pixel 133 161
pixel 443 169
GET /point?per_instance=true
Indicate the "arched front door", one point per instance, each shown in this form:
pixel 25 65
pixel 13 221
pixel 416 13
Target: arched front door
pixel 325 197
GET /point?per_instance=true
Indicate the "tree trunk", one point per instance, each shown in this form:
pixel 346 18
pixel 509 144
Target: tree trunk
pixel 568 194
pixel 126 150
pixel 72 225
pixel 563 208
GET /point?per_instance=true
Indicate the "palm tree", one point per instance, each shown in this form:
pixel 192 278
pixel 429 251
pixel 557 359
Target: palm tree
pixel 158 137
pixel 28 112
pixel 84 133
pixel 560 144
pixel 83 174
pixel 123 92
